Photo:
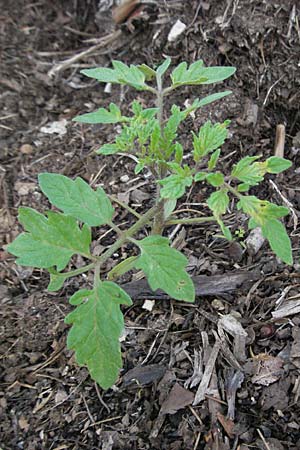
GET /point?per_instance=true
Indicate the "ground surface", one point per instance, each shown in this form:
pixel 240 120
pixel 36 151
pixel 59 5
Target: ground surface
pixel 46 400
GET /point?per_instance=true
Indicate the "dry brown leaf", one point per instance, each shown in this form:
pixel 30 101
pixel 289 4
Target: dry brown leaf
pixel 177 399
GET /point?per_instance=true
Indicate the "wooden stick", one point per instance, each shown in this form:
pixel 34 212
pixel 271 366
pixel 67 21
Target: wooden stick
pixel 279 141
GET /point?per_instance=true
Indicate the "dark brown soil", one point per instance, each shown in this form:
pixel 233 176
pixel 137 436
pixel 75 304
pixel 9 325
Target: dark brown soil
pixel 46 400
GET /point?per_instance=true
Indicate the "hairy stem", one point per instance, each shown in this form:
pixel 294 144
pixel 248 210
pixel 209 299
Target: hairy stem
pixel 144 220
pixel 233 191
pixel 128 208
pixel 158 223
pixel 74 273
pixel 192 221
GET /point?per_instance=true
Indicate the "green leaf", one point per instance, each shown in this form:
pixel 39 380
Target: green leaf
pixel 108 149
pixel 248 171
pixel 277 165
pixel 174 186
pixel 102 115
pixel 214 159
pixel 178 152
pixel 101 74
pixel 243 187
pixel 192 75
pixel 280 243
pixel 149 113
pixel 218 202
pixel 200 176
pixel 225 230
pixel 261 210
pixel 165 268
pixel 49 241
pixel 147 71
pixel 139 167
pixel 216 74
pixel 97 324
pixel 77 198
pixel 121 268
pixel 129 75
pixel 169 206
pixel 210 138
pixel 80 296
pixel 213 97
pixel 163 67
pixel 215 179
pixel 198 74
pixel 56 280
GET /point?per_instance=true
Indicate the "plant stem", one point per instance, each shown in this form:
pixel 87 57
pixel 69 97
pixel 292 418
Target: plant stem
pixel 234 191
pixel 194 220
pixel 128 208
pixel 144 220
pixel 74 273
pixel 158 224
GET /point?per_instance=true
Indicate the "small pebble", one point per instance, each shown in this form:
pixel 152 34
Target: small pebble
pixel 124 178
pixel 26 149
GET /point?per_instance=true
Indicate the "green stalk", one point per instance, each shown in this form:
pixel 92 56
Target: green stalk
pixel 192 221
pixel 74 273
pixel 144 220
pixel 158 224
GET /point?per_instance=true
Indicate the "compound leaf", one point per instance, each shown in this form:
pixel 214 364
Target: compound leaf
pixel 77 198
pixel 49 241
pixel 97 324
pixel 165 268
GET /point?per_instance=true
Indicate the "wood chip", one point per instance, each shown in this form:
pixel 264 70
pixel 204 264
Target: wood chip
pixel 204 285
pixel 200 394
pixel 289 308
pixel 232 326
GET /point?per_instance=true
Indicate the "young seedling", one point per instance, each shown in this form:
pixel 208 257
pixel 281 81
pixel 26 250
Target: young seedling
pixel 50 240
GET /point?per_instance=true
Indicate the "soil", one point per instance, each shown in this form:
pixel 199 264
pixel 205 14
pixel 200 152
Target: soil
pixel 46 400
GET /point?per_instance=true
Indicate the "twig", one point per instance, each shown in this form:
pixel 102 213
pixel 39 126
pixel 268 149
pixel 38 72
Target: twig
pixel 263 439
pixel 270 89
pixel 68 62
pixel 287 202
pixel 200 394
pixel 88 410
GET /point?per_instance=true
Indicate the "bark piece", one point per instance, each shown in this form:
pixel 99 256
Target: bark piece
pixel 232 326
pixel 204 285
pixel 200 394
